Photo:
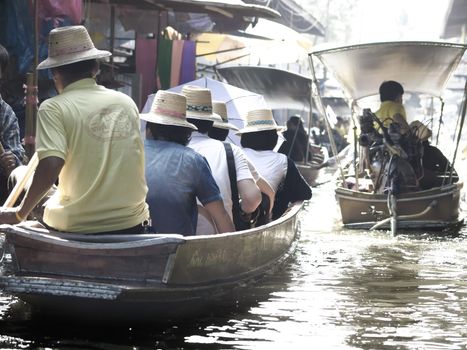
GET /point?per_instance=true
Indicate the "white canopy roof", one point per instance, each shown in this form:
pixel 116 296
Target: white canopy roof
pixel 421 67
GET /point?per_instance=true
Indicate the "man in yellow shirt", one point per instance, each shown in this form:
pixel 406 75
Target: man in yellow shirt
pixel 88 137
pixel 391 108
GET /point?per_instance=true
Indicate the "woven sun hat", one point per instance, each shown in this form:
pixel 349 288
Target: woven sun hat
pixel 259 120
pixel 70 45
pixel 220 108
pixel 199 103
pixel 168 108
pixel 420 130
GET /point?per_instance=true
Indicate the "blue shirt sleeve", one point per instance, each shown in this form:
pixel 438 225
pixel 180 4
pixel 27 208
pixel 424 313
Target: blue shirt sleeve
pixel 207 190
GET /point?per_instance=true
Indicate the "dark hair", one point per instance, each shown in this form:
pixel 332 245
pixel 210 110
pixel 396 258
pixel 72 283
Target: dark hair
pixel 4 57
pixel 390 90
pixel 78 70
pixel 203 125
pixel 218 133
pixel 172 133
pixel 264 140
pixel 295 120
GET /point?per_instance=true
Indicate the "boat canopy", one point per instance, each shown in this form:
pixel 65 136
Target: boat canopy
pixel 281 89
pixel 421 67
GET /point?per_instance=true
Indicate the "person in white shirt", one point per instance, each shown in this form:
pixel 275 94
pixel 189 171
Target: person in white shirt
pixel 220 131
pixel 258 139
pixel 199 112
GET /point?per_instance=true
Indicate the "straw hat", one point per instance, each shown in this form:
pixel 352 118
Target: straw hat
pixel 260 120
pixel 221 109
pixel 168 108
pixel 420 130
pixel 199 103
pixel 70 45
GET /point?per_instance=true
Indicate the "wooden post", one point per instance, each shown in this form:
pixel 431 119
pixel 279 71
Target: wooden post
pixel 31 111
pixel 31 92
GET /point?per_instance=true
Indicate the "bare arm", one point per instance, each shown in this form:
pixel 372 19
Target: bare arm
pixel 266 188
pixel 250 194
pixel 219 215
pixel 45 176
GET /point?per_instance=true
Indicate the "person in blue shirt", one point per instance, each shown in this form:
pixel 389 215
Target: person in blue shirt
pixel 177 175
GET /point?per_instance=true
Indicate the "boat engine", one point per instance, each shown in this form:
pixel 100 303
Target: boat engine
pixel 385 156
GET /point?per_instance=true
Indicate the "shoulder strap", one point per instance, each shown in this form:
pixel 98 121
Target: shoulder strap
pixel 233 183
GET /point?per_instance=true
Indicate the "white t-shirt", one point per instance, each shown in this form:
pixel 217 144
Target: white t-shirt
pixel 272 166
pixel 214 152
pixel 237 151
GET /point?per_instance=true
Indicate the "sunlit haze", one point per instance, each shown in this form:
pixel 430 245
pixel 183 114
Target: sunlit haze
pixel 399 20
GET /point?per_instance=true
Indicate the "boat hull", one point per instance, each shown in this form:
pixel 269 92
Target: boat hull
pixel 363 210
pixel 309 172
pixel 172 275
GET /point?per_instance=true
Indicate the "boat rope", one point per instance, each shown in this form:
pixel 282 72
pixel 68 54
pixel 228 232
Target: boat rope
pixel 3 250
pixel 406 217
pixel 440 120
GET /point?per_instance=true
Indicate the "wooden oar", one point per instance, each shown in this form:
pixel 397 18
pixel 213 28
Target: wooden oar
pixel 21 183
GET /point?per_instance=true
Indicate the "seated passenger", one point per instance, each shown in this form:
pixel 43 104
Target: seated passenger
pixel 176 175
pixel 199 112
pixel 220 131
pixel 391 108
pixel 296 140
pixel 14 152
pixel 87 136
pixel 436 167
pixel 258 139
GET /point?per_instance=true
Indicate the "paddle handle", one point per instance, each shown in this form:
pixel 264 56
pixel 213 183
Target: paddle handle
pixel 21 183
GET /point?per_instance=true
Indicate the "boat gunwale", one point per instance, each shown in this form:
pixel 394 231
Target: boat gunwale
pixel 442 191
pixel 67 241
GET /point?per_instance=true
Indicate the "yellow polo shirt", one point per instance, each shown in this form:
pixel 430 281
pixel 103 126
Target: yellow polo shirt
pixel 387 110
pixel 102 186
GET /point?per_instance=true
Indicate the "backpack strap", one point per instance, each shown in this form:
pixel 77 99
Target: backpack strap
pixel 233 186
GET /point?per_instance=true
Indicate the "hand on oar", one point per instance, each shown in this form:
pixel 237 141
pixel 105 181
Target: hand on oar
pixel 8 161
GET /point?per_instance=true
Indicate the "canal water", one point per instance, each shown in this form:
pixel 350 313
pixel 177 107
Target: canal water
pixel 342 289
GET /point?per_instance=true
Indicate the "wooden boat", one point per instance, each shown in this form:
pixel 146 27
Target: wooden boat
pixel 311 170
pixel 138 277
pixel 422 68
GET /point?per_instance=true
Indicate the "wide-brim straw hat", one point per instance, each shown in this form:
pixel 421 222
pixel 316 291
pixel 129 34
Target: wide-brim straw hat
pixel 260 120
pixel 168 108
pixel 220 108
pixel 199 103
pixel 70 45
pixel 420 130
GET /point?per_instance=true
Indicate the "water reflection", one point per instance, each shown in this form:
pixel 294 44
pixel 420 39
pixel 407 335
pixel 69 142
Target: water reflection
pixel 342 290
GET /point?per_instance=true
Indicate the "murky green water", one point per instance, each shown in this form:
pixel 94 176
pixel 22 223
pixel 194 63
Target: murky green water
pixel 342 290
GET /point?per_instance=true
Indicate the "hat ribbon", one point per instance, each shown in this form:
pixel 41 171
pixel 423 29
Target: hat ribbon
pixel 199 108
pixel 169 112
pixel 68 50
pixel 260 122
